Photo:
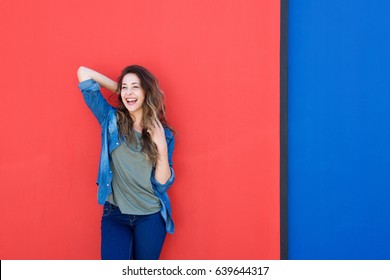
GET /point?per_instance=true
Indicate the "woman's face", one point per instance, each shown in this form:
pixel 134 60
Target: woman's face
pixel 132 93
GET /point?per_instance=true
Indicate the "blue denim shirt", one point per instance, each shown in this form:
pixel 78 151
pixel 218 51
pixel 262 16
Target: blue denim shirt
pixel 106 116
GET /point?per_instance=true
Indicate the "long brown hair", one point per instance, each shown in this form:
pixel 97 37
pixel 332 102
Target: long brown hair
pixel 152 108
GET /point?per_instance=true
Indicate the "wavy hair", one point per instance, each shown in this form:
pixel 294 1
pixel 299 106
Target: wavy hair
pixel 152 108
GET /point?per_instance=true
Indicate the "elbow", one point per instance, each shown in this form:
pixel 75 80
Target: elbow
pixel 164 180
pixel 82 73
pixel 161 188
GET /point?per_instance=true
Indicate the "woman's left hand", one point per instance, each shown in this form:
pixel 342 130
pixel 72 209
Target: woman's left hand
pixel 158 135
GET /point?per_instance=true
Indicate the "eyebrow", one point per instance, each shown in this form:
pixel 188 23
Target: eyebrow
pixel 131 83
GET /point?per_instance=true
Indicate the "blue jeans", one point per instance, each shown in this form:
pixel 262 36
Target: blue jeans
pixel 125 237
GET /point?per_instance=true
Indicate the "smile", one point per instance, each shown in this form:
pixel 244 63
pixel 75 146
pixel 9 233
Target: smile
pixel 131 101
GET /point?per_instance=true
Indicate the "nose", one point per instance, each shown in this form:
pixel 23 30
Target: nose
pixel 128 91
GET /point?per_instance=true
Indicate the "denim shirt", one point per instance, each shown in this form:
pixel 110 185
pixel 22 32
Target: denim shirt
pixel 106 116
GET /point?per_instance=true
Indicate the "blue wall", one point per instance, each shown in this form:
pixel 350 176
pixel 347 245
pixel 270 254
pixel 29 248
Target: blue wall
pixel 339 129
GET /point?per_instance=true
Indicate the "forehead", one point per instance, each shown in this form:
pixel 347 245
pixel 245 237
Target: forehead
pixel 130 78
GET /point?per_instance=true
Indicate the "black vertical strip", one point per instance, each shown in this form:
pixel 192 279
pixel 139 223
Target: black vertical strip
pixel 283 129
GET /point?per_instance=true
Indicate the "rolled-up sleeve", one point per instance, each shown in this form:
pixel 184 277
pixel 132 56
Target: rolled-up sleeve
pixel 161 188
pixel 94 99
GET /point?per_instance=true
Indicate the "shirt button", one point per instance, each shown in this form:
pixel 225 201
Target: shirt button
pixel 117 143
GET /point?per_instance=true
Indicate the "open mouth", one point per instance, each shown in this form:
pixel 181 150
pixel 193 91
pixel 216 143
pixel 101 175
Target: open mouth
pixel 131 101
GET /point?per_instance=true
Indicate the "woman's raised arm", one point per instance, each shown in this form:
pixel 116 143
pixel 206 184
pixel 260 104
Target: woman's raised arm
pixel 84 73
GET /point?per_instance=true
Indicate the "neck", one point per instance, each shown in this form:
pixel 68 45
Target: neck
pixel 137 117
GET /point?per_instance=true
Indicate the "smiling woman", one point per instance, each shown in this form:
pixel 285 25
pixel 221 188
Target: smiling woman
pixel 135 169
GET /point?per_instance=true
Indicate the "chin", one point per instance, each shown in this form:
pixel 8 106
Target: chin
pixel 132 109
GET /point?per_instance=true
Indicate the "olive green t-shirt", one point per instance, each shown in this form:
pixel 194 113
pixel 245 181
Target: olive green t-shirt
pixel 132 190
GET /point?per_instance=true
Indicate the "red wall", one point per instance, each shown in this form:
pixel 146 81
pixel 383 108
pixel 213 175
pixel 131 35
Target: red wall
pixel 218 62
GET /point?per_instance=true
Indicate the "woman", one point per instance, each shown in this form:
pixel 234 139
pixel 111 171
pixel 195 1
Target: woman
pixel 135 168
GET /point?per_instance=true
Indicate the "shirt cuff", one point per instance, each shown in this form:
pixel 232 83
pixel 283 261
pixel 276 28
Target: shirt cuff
pixel 161 188
pixel 88 83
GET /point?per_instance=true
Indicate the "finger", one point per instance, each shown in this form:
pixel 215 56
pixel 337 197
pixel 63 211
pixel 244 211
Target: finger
pixel 159 123
pixel 154 123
